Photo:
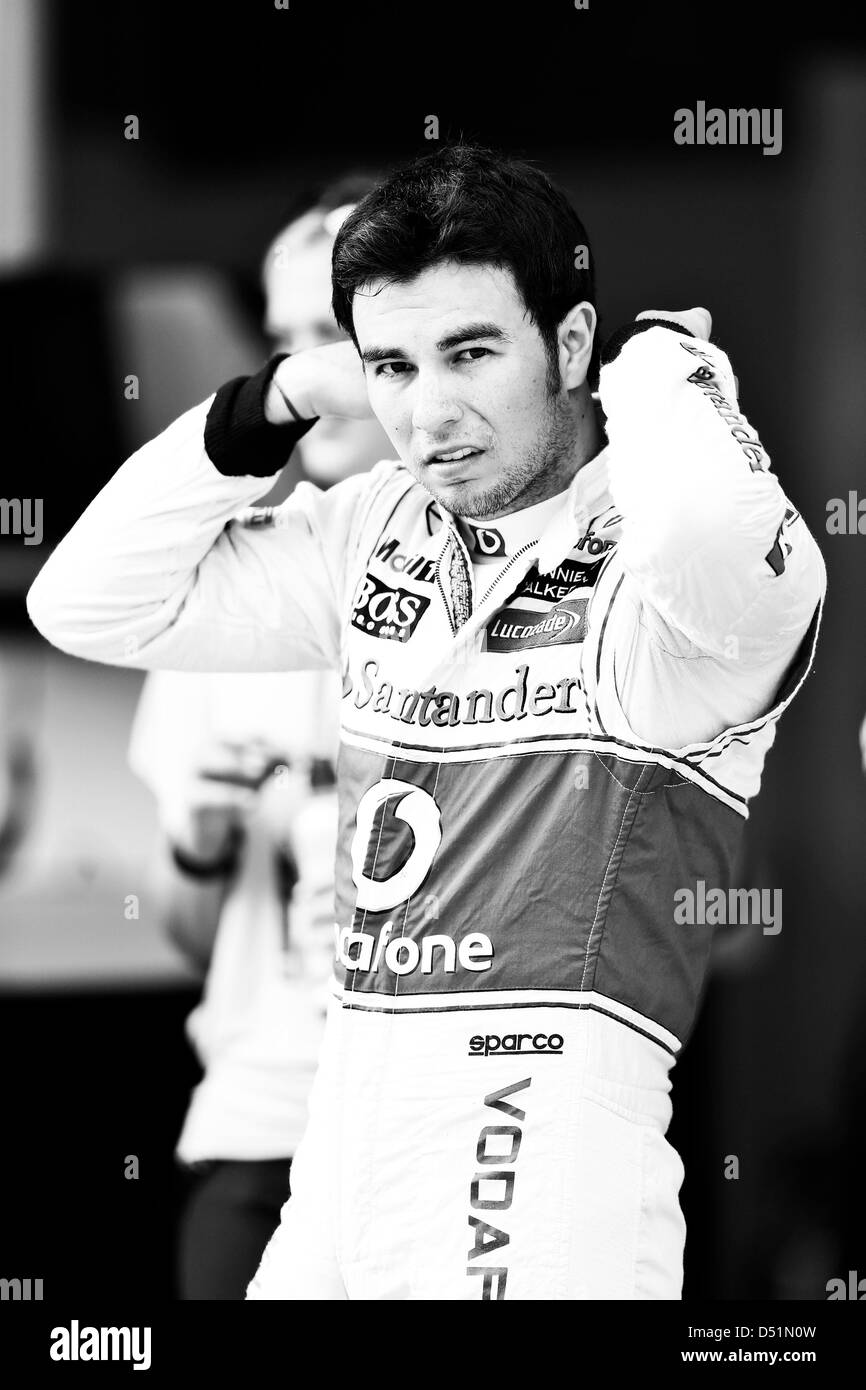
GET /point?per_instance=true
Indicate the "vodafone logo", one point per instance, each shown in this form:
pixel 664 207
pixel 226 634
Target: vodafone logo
pixel 419 811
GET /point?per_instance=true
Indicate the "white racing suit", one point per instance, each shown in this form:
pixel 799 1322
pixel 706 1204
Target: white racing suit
pixel 521 798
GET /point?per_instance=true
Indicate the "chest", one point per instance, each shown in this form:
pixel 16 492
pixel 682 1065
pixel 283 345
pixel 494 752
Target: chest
pixel 417 669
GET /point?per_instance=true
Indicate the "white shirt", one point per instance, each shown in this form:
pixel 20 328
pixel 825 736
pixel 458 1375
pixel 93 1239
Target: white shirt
pixel 258 1027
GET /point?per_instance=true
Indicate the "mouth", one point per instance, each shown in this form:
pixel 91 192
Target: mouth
pixel 452 460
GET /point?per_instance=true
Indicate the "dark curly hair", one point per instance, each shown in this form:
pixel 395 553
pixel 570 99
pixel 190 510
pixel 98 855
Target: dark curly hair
pixel 472 205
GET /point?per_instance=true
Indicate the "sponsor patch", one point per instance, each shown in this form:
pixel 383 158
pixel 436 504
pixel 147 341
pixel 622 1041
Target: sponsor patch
pixel 782 548
pixel 707 379
pixel 484 540
pixel 571 574
pixel 491 1190
pixel 395 953
pixel 381 611
pixel 257 516
pixel 482 705
pixel 491 1044
pixel 593 544
pixel 392 553
pixel 515 629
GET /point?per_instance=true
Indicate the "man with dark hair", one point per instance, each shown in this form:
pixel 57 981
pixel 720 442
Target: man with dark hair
pixel 471 208
pixel 563 660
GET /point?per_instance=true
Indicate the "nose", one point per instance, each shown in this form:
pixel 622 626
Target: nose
pixel 434 406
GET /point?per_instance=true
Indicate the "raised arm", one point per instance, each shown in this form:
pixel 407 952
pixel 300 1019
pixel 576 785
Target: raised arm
pixel 717 551
pixel 157 574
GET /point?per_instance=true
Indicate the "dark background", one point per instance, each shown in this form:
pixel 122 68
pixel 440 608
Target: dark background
pixel 241 107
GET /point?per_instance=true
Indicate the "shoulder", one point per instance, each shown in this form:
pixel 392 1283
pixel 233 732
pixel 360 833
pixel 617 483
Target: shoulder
pixel 349 515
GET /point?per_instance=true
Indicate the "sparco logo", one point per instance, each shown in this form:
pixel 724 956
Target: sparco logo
pixel 416 566
pixel 361 950
pixel 545 1044
pixel 386 612
pixel 492 1189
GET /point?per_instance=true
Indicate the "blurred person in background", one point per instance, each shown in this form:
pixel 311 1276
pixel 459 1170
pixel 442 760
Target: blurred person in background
pixel 242 767
pixel 17 780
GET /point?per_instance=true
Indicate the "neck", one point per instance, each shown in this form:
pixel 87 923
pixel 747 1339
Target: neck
pixel 556 477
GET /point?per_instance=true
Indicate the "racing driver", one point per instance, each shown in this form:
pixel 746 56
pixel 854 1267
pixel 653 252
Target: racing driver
pixel 567 625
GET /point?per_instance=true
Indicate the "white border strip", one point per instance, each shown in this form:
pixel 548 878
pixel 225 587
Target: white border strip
pixel 468 1000
pixel 520 748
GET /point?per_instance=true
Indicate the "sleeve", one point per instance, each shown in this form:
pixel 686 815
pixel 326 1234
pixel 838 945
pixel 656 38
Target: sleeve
pixel 159 573
pixel 717 552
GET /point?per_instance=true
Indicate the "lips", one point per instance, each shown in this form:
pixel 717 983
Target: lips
pixel 455 454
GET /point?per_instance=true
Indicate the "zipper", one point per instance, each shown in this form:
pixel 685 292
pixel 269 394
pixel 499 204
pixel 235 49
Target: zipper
pixel 470 629
pixel 446 598
pixel 453 533
pixel 477 607
pixel 502 573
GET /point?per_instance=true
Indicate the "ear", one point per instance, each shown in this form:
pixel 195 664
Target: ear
pixel 575 334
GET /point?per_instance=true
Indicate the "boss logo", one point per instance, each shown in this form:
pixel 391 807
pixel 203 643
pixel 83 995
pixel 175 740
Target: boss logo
pixel 384 612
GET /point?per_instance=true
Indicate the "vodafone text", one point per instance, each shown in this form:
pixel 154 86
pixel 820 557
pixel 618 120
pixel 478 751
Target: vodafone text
pixel 361 950
pixel 494 1190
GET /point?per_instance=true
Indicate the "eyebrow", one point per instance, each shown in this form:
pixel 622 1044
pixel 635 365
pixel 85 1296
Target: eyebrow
pixel 468 333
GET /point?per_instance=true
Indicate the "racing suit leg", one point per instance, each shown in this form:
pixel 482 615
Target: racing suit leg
pixel 299 1262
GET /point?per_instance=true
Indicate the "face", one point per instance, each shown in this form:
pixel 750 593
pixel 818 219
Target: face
pixel 298 316
pixel 458 375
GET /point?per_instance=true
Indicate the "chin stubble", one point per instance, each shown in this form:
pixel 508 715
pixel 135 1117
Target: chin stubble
pixel 529 480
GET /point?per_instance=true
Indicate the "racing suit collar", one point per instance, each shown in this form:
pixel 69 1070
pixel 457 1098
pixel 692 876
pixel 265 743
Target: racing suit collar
pixel 587 496
pixel 506 535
